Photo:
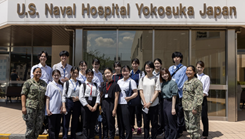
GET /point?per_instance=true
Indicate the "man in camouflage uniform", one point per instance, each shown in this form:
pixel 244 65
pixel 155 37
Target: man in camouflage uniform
pixel 192 105
pixel 34 92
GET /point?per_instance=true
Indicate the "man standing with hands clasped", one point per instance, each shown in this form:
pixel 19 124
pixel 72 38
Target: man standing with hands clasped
pixel 178 74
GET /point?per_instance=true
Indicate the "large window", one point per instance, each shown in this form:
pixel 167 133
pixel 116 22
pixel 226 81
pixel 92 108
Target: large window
pixel 135 44
pixel 101 45
pixel 21 61
pixel 209 46
pixel 170 41
pixel 105 46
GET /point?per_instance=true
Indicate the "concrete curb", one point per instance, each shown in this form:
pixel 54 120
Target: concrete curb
pixel 22 136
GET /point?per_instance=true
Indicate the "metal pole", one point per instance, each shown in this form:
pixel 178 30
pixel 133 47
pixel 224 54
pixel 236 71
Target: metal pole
pixel 153 43
pixel 189 61
pixel 117 47
pixel 32 46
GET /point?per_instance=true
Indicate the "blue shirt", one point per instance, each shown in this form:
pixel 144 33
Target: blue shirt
pixel 136 76
pixel 179 77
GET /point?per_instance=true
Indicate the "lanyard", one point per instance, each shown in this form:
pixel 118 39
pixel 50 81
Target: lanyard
pixel 91 88
pixel 64 70
pixel 108 87
pixel 73 85
pixel 118 77
pixel 84 78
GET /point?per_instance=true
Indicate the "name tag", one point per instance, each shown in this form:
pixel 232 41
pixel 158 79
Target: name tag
pixel 90 98
pixel 106 95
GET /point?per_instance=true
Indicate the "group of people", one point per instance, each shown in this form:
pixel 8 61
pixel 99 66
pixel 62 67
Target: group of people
pixel 170 99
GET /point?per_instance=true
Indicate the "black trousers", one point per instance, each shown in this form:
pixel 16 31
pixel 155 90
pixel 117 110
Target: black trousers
pixel 89 120
pixel 180 116
pixel 80 122
pixel 73 108
pixel 170 120
pixel 138 112
pixel 205 116
pixel 123 120
pixel 135 110
pixel 152 117
pixel 54 126
pixel 108 119
pixel 161 123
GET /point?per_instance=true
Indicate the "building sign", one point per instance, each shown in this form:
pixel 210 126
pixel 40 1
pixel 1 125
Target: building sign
pixel 115 9
pixel 123 12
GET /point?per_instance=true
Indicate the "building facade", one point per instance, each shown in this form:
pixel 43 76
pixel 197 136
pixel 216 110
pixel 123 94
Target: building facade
pixel 120 30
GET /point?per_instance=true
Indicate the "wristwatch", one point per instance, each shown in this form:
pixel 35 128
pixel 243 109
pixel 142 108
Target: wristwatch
pixel 151 102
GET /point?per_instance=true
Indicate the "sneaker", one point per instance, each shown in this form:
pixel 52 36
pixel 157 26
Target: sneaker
pixel 139 132
pixel 45 132
pixel 79 133
pixel 117 131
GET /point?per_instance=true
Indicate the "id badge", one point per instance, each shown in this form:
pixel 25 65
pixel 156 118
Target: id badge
pixel 106 95
pixel 90 98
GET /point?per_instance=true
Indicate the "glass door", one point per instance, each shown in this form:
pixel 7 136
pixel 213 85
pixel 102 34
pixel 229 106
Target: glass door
pixel 241 84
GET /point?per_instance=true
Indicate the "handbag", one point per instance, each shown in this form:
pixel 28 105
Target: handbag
pixel 135 101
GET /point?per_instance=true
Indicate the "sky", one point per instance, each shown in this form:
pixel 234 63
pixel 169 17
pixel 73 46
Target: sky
pixel 105 42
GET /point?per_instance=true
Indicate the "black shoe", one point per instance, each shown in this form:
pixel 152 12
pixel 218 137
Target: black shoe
pixel 179 135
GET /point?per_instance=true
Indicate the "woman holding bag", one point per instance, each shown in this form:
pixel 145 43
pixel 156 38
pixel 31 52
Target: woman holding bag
pixel 149 87
pixel 123 111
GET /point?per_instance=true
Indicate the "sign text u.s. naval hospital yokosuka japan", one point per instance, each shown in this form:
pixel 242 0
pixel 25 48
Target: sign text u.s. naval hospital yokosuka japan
pixel 123 12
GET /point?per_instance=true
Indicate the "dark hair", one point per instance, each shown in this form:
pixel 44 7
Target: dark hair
pixel 150 64
pixel 39 55
pixel 96 61
pixel 159 60
pixel 117 63
pixel 64 53
pixel 14 70
pixel 193 69
pixel 89 71
pixel 53 72
pixel 177 54
pixel 136 60
pixel 35 69
pixel 108 69
pixel 166 71
pixel 126 67
pixel 74 68
pixel 82 62
pixel 201 63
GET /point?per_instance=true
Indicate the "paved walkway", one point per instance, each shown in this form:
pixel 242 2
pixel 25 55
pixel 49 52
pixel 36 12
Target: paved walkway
pixel 11 122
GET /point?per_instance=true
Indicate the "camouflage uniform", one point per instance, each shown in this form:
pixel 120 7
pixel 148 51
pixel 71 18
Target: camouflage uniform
pixel 192 100
pixel 35 99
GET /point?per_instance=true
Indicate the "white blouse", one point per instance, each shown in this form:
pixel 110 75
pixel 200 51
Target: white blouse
pixel 205 81
pixel 54 92
pixel 73 90
pixel 149 86
pixel 124 85
pixel 88 93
